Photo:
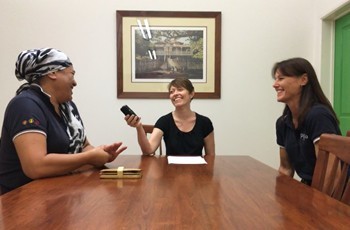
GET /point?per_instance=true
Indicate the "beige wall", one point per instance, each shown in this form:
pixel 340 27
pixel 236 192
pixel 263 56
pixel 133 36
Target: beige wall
pixel 255 34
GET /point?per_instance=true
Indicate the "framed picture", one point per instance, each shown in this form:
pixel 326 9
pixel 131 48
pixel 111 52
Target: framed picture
pixel 154 47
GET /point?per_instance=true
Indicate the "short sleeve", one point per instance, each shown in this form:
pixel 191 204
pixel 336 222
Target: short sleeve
pixel 321 120
pixel 207 126
pixel 24 114
pixel 163 123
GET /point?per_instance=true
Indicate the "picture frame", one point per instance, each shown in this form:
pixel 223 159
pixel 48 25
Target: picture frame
pixel 154 47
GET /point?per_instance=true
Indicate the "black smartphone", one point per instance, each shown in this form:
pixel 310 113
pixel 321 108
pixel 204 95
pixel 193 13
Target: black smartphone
pixel 127 111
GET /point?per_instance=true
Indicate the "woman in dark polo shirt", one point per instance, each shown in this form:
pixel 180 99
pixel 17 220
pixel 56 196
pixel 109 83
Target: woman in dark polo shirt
pixel 42 130
pixel 307 114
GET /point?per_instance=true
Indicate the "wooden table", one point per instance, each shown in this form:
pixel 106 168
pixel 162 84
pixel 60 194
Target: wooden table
pixel 230 192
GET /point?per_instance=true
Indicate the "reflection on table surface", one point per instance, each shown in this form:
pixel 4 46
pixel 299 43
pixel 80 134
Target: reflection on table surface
pixel 229 192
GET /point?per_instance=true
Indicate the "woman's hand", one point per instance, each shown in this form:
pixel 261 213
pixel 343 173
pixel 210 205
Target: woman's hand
pixel 114 150
pixel 133 121
pixel 105 153
pixel 98 156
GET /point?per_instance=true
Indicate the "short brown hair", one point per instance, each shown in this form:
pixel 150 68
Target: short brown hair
pixel 181 82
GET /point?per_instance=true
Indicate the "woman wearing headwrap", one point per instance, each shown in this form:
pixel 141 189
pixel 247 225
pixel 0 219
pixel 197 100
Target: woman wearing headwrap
pixel 42 129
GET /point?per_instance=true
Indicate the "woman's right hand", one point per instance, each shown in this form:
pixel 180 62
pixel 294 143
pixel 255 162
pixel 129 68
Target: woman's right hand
pixel 98 156
pixel 133 121
pixel 105 153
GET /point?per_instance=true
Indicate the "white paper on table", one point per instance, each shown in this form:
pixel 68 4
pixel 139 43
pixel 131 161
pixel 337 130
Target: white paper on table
pixel 186 160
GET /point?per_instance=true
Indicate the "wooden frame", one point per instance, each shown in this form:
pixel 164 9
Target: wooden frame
pixel 153 47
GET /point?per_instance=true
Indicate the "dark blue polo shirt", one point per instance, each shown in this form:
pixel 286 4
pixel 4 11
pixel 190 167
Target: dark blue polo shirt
pixel 299 143
pixel 30 111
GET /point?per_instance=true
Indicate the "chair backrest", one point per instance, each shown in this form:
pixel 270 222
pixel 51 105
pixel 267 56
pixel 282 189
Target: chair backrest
pixel 331 174
pixel 148 130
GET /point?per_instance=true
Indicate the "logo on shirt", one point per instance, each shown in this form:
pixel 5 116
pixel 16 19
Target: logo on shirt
pixel 30 121
pixel 303 137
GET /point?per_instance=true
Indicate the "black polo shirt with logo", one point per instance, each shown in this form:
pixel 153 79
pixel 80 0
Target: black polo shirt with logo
pixel 30 111
pixel 299 143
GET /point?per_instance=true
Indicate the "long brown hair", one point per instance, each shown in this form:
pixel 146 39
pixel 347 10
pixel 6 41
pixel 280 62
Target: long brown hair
pixel 311 93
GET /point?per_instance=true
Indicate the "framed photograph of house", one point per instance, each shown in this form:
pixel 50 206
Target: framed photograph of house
pixel 154 47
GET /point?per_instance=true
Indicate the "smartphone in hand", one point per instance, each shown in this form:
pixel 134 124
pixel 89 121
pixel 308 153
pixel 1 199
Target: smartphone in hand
pixel 127 110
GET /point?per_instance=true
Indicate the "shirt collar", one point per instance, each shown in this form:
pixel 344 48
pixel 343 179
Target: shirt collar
pixel 36 86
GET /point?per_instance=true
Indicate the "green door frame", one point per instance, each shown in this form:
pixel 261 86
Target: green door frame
pixel 342 72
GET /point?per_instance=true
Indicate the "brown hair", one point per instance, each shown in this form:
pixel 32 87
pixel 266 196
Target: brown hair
pixel 311 93
pixel 181 82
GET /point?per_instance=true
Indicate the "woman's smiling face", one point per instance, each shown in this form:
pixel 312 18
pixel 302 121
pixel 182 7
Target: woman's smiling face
pixel 288 88
pixel 65 83
pixel 179 96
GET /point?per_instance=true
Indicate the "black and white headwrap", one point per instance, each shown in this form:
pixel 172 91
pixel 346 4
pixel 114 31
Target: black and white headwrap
pixel 32 64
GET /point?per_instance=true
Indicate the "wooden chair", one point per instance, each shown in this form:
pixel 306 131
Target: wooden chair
pixel 148 130
pixel 337 184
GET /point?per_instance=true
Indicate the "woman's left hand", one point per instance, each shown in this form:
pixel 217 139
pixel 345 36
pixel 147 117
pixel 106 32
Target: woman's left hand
pixel 114 150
